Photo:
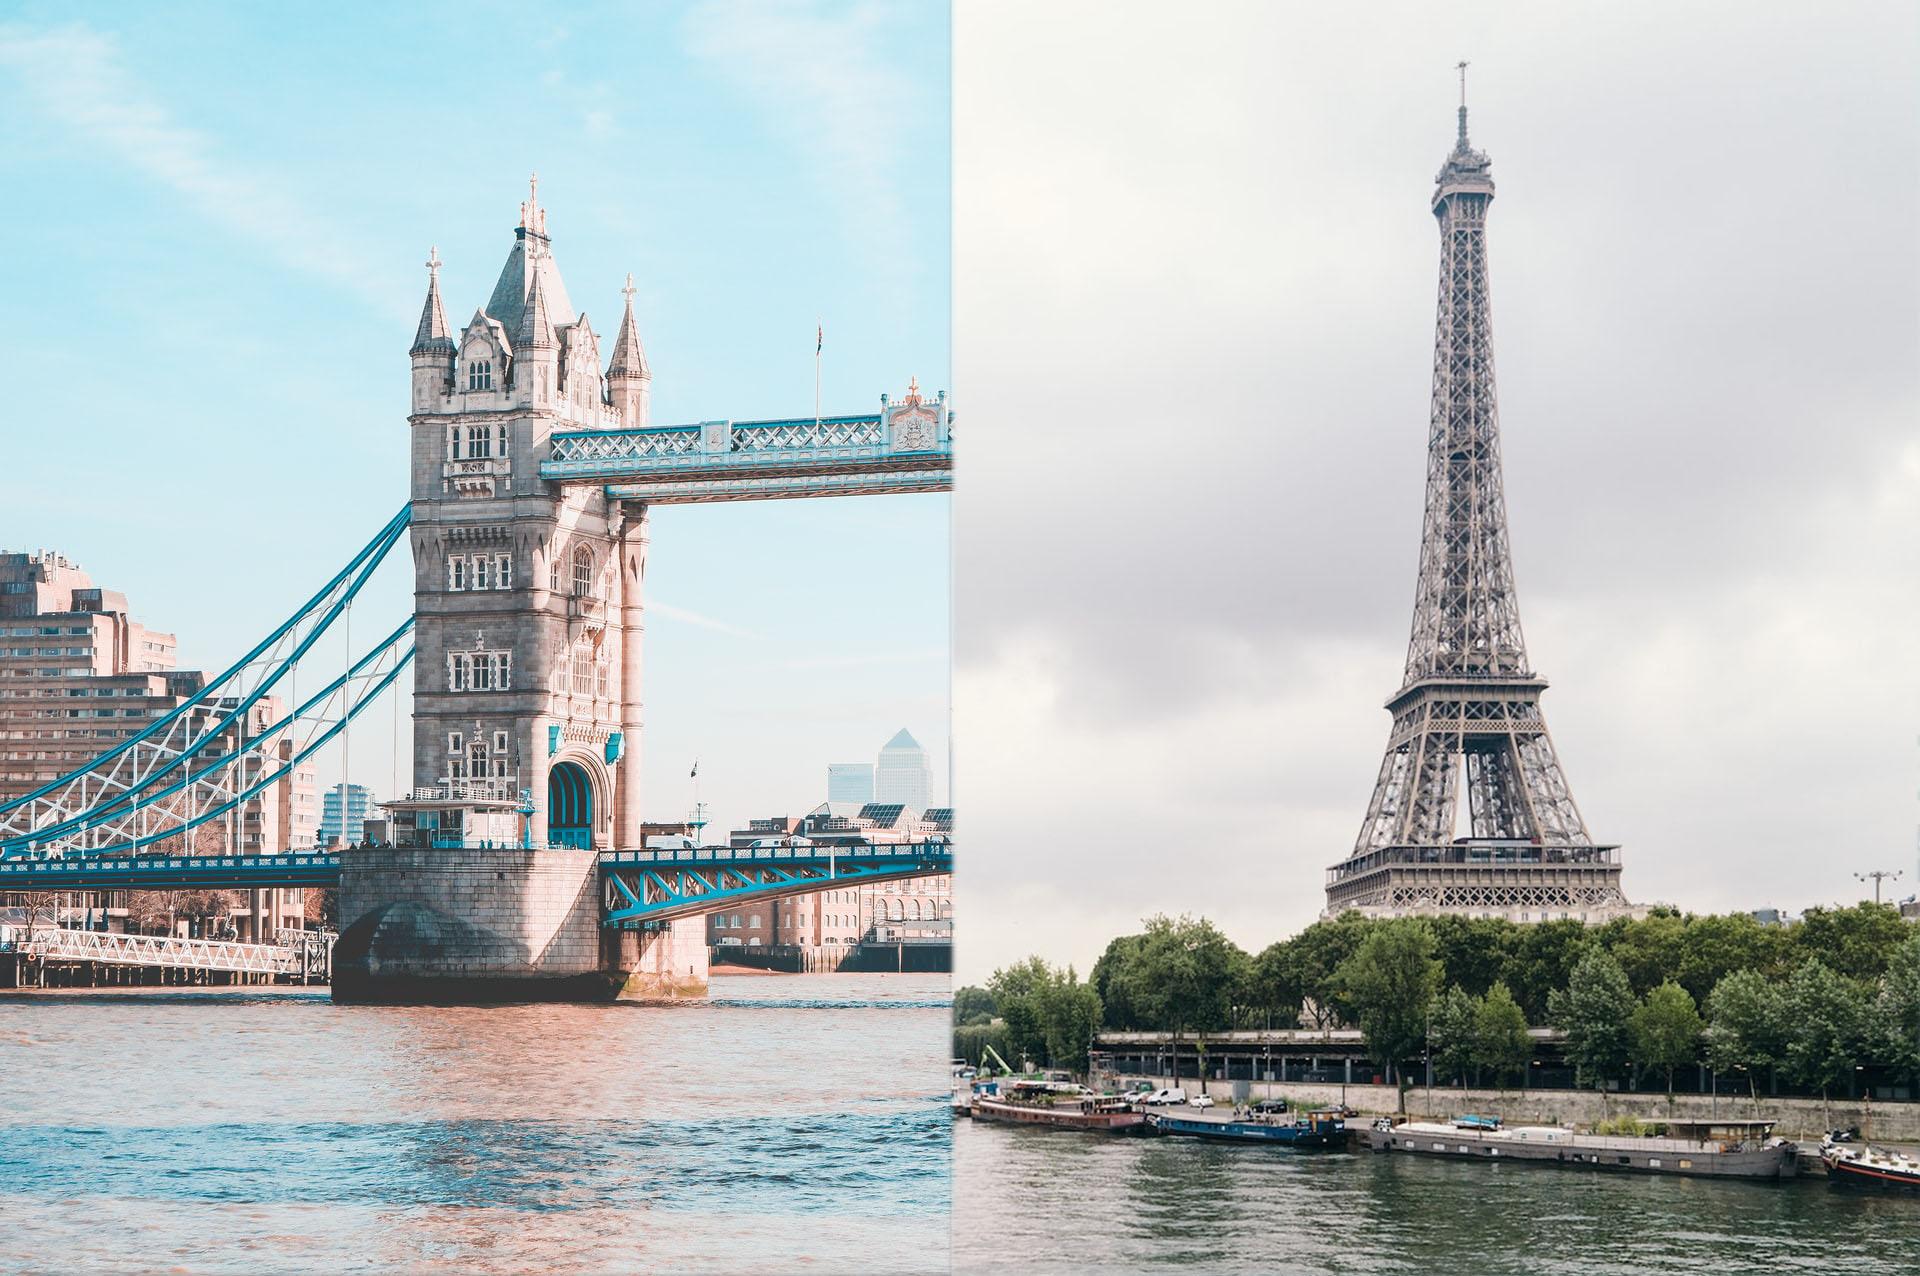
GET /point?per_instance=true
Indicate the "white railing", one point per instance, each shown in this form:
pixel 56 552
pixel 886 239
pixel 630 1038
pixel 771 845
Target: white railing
pixel 169 951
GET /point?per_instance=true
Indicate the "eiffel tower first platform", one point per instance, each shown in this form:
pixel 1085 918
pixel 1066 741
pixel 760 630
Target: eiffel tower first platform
pixel 1470 700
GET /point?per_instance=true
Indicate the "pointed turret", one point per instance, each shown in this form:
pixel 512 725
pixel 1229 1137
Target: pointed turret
pixel 629 382
pixel 433 348
pixel 535 329
pixel 532 257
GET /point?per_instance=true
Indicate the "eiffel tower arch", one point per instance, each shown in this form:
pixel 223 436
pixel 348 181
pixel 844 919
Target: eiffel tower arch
pixel 1469 706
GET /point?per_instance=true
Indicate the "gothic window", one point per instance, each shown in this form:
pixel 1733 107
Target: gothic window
pixel 582 572
pixel 455 437
pixel 499 742
pixel 479 443
pixel 503 571
pixel 480 374
pixel 553 576
pixel 456 573
pixel 583 670
pixel 600 676
pixel 500 439
pixel 481 566
pixel 453 742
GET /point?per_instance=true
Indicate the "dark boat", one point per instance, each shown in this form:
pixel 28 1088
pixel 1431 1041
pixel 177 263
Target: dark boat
pixel 1311 1130
pixel 1051 1109
pixel 1858 1165
pixel 1704 1149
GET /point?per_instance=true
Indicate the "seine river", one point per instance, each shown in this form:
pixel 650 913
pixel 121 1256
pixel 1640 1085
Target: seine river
pixel 1053 1201
pixel 793 1123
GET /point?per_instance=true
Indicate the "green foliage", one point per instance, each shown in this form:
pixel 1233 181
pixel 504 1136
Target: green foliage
pixel 1826 1026
pixel 1474 952
pixel 1665 1029
pixel 1648 948
pixel 971 1005
pixel 1046 1014
pixel 970 1041
pixel 1389 982
pixel 1747 1025
pixel 1629 1127
pixel 1182 975
pixel 1593 1011
pixel 1316 954
pixel 1117 1009
pixel 1715 946
pixel 1856 942
pixel 1543 959
pixel 1273 990
pixel 1896 1015
pixel 1501 1045
pixel 1452 1037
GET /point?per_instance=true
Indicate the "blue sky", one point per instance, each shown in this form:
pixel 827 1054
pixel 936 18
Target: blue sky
pixel 219 215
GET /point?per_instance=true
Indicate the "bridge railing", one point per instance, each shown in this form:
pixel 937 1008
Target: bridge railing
pixel 777 854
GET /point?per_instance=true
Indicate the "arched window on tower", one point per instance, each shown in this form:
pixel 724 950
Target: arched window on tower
pixel 582 572
pixel 480 374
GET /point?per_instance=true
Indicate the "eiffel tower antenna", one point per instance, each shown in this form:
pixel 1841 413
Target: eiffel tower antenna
pixel 1469 703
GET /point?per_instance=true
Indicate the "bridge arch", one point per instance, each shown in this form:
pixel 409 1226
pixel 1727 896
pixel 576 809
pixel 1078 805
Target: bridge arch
pixel 575 801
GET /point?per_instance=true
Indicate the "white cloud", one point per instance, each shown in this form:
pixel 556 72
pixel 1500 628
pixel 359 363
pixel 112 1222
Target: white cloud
pixel 77 78
pixel 667 611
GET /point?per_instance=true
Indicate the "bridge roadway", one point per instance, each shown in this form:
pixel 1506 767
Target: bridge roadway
pixel 639 887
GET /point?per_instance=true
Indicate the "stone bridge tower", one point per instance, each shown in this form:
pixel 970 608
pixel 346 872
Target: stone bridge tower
pixel 527 687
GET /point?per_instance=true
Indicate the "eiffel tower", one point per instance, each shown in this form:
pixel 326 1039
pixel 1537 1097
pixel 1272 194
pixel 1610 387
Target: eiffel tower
pixel 1470 699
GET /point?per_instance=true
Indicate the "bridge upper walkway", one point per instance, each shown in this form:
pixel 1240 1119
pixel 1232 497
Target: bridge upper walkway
pixel 307 958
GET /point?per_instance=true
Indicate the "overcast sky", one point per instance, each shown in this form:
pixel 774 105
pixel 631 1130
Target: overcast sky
pixel 1194 296
pixel 220 213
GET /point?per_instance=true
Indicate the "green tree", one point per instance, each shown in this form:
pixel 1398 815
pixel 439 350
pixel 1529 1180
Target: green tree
pixel 1016 991
pixel 1390 982
pixel 1897 1008
pixel 1648 948
pixel 1857 942
pixel 1826 1026
pixel 1500 1041
pixel 1069 1016
pixel 1107 978
pixel 1746 1026
pixel 1474 951
pixel 1273 991
pixel 1665 1029
pixel 1593 1010
pixel 972 1004
pixel 1182 979
pixel 1451 1039
pixel 1316 954
pixel 1543 961
pixel 1714 947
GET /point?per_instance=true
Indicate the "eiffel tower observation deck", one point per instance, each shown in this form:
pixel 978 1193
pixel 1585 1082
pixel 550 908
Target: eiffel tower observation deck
pixel 1470 701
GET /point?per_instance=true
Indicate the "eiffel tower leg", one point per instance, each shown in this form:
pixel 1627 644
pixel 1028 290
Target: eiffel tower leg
pixel 1435 797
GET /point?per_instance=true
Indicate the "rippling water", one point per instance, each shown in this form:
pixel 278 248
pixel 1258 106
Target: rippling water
pixel 1051 1201
pixel 793 1123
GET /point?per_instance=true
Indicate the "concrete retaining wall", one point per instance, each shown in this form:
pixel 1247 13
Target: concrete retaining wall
pixel 1800 1119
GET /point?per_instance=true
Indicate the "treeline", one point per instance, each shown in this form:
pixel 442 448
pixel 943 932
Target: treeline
pixel 1811 1001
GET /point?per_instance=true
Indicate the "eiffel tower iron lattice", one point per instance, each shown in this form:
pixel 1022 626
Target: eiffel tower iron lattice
pixel 1470 700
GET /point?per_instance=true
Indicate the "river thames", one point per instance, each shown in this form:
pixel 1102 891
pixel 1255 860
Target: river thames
pixel 788 1123
pixel 1055 1201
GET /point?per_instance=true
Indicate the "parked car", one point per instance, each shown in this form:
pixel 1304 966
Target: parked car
pixel 1166 1096
pixel 1200 1101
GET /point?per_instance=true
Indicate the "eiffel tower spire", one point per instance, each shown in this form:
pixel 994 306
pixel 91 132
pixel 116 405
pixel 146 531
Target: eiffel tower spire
pixel 1469 701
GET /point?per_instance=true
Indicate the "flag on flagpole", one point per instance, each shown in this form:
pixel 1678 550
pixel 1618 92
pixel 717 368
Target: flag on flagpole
pixel 696 769
pixel 819 337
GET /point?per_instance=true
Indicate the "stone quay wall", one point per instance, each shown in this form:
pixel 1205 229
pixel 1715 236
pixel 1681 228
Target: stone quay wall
pixel 1803 1120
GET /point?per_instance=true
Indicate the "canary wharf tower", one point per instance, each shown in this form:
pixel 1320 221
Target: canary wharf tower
pixel 1470 701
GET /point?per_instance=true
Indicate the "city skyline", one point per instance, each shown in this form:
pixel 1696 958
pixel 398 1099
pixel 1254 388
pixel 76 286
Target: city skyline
pixel 122 155
pixel 1706 402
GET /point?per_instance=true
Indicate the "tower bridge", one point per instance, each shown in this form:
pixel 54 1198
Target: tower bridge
pixel 515 869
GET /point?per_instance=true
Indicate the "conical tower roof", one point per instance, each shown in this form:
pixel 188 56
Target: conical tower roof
pixel 432 335
pixel 535 330
pixel 531 258
pixel 628 356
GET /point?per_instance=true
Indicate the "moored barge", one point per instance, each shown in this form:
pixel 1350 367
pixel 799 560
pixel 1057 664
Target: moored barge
pixel 1051 1110
pixel 1703 1149
pixel 1310 1130
pixel 1858 1165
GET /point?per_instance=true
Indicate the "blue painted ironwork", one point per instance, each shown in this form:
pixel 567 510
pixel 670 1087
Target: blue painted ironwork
pixel 170 872
pixel 646 887
pixel 905 447
pixel 359 568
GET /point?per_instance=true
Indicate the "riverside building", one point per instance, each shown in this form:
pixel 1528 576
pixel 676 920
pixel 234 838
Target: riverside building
pixel 78 676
